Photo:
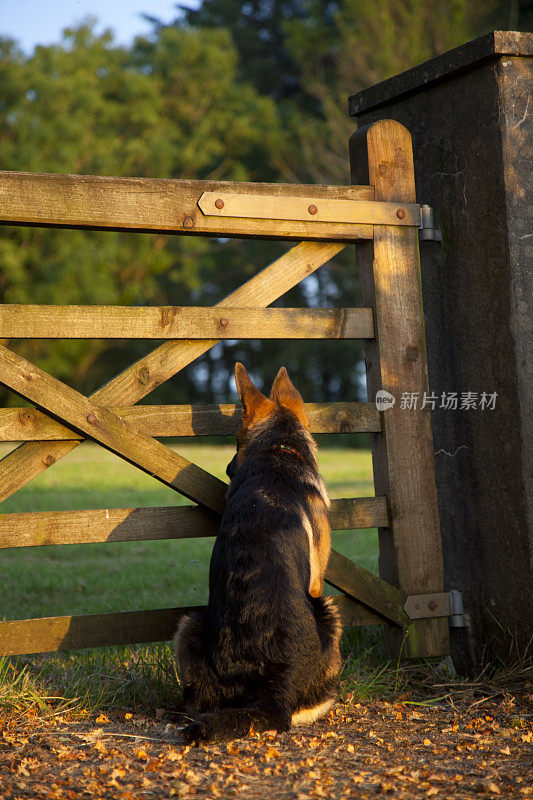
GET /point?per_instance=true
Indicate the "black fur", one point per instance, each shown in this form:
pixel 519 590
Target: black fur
pixel 263 648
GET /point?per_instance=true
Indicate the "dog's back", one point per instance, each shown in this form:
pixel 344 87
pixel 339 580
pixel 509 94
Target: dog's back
pixel 266 649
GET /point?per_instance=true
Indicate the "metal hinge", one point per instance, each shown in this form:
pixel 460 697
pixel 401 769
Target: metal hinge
pixel 308 209
pixel 440 604
pixel 427 231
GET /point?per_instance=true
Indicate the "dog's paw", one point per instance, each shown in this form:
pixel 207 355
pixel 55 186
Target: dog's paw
pixel 198 731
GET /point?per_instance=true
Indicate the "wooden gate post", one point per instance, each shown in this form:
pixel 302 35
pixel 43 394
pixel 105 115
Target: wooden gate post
pixel 389 271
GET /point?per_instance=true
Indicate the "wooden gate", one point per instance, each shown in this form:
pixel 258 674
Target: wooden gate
pixel 381 216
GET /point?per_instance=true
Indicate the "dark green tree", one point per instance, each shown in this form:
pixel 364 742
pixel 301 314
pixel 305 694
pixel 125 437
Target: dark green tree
pixel 170 107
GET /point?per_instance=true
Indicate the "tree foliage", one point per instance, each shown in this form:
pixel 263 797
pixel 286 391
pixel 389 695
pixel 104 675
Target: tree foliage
pixel 252 90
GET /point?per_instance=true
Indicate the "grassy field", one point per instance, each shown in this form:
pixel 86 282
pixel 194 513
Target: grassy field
pixel 123 576
pixel 115 576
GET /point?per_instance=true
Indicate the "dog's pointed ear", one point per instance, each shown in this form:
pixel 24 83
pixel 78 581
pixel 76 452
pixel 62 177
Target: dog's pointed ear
pixel 254 403
pixel 285 393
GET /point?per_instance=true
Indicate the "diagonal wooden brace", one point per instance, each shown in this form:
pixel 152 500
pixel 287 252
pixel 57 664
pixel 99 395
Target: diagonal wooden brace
pixel 110 430
pixel 32 458
pixel 366 588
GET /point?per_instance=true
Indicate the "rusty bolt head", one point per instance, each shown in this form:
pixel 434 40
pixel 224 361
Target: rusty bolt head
pixel 224 322
pixel 49 460
pixel 188 222
pixel 432 605
pixel 382 169
pixel 412 352
pixel 401 213
pixel 313 209
pixel 91 418
pixel 219 203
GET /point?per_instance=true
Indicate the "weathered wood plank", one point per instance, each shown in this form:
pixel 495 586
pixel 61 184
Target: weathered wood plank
pixel 28 424
pixel 363 586
pixel 347 514
pixel 116 434
pixel 32 458
pixel 34 529
pixel 50 634
pixel 182 322
pixel 354 614
pixel 166 206
pixel 389 270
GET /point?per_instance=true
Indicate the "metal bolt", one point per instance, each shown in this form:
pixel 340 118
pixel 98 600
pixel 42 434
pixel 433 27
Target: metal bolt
pixel 432 605
pixel 188 222
pixel 400 213
pixel 223 322
pixel 219 203
pixel 91 418
pixel 412 352
pixel 49 460
pixel 312 209
pixel 382 169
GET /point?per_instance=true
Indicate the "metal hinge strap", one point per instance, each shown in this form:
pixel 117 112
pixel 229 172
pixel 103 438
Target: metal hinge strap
pixel 309 209
pixel 439 604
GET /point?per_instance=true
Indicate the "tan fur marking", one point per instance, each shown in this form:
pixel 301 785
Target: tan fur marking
pixel 305 716
pixel 322 532
pixel 316 584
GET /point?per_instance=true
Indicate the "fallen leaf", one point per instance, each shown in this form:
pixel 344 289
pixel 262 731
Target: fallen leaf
pixel 100 747
pixel 271 752
pixel 102 720
pixel 486 786
pixel 116 773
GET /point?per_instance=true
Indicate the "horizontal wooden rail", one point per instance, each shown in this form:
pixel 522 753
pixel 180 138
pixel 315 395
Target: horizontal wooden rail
pixel 183 322
pixel 33 529
pixel 28 424
pixel 166 206
pixel 50 634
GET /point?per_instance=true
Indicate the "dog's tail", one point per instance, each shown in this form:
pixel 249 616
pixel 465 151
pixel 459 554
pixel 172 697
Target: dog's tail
pixel 234 723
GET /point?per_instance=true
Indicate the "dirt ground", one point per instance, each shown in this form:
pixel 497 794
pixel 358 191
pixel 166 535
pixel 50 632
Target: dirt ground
pixel 398 750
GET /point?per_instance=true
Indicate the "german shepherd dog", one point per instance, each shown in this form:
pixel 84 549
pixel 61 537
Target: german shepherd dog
pixel 265 651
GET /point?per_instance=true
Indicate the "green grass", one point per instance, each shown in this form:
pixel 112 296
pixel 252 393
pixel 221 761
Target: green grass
pixel 117 576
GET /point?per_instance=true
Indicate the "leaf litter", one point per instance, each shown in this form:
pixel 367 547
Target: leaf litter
pixel 455 747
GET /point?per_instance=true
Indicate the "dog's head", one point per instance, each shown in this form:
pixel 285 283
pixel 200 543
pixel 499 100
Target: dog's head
pixel 258 410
